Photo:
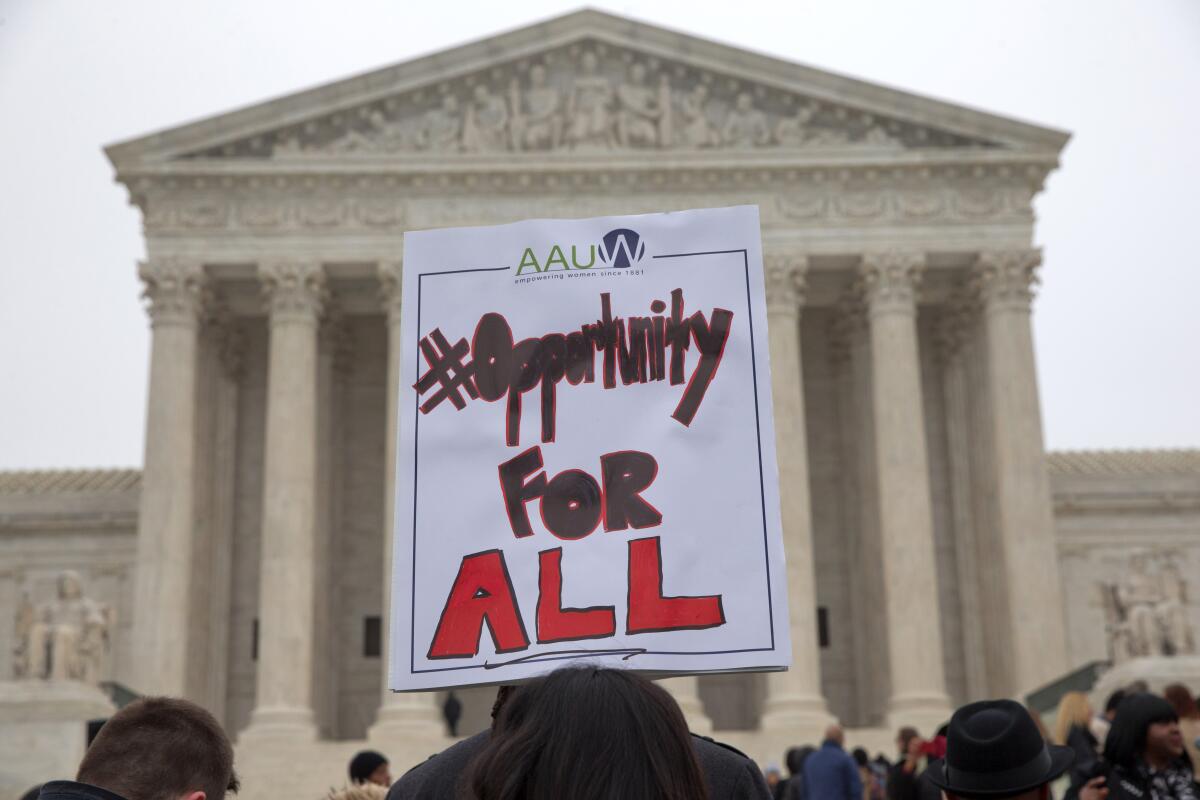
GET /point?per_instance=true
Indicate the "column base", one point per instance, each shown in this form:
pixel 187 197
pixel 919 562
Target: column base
pixel 685 690
pixel 925 711
pixel 404 716
pixel 281 723
pixel 805 717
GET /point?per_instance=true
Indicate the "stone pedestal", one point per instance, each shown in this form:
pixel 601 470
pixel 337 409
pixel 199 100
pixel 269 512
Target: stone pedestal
pixel 1157 671
pixel 43 731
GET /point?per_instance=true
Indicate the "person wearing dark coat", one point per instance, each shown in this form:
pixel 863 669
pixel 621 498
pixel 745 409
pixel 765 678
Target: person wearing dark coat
pixel 727 773
pixel 793 787
pixel 1144 757
pixel 994 749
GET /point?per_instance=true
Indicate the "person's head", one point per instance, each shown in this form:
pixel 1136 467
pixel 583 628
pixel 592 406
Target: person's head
pixel 860 757
pixel 1110 705
pixel 1074 711
pixel 161 748
pixel 795 758
pixel 994 751
pixel 1181 699
pixel 771 775
pixel 835 734
pixel 369 766
pixel 904 736
pixel 1146 728
pixel 587 732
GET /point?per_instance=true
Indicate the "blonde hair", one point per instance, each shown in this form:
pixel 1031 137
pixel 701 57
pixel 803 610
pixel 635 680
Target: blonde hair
pixel 1074 711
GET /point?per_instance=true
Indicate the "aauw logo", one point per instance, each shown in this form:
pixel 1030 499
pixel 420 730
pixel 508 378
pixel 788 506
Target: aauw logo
pixel 622 248
pixel 618 248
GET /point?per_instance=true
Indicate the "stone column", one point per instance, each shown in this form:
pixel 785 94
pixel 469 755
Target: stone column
pixel 295 295
pixel 166 517
pixel 918 691
pixel 404 715
pixel 794 702
pixel 1036 632
pixel 952 335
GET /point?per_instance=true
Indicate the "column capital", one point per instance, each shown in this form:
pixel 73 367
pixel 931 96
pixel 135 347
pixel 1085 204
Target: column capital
pixel 848 321
pixel 175 290
pixel 390 288
pixel 1006 278
pixel 889 280
pixel 293 290
pixel 786 281
pixel 222 326
pixel 954 324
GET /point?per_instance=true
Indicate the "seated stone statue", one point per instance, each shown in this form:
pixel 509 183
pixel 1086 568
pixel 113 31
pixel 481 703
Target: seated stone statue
pixel 66 639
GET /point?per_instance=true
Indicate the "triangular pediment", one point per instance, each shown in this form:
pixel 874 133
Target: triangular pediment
pixel 587 82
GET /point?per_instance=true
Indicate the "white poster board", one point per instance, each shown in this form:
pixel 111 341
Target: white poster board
pixel 586 452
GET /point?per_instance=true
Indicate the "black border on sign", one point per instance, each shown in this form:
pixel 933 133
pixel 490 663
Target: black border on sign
pixel 551 656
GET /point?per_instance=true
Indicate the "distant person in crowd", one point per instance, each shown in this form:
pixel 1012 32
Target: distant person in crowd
pixel 994 750
pixel 881 766
pixel 909 779
pixel 452 712
pixel 369 766
pixel 1181 699
pixel 1144 757
pixel 774 779
pixel 156 748
pixel 1072 727
pixel 1101 723
pixel 793 787
pixel 872 788
pixel 830 773
pixel 904 738
pixel 624 736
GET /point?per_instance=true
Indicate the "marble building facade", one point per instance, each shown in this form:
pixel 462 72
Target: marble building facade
pixel 935 553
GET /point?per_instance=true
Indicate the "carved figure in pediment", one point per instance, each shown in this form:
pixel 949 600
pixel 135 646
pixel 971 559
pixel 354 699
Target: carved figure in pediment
pixel 745 126
pixel 695 128
pixel 794 131
pixel 643 113
pixel 287 145
pixel 827 137
pixel 589 107
pixel 65 639
pixel 485 127
pixel 537 122
pixel 875 133
pixel 443 126
pixel 356 141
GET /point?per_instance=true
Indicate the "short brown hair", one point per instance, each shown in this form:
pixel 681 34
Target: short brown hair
pixel 159 748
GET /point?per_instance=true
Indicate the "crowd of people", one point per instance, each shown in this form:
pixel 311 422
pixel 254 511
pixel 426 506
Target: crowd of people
pixel 594 733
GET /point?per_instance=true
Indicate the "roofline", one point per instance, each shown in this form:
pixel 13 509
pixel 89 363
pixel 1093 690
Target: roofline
pixel 587 22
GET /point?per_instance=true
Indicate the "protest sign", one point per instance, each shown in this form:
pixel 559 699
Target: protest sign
pixel 586 452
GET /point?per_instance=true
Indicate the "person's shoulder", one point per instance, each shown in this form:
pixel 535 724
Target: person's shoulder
pixel 437 776
pixel 729 772
pixel 715 749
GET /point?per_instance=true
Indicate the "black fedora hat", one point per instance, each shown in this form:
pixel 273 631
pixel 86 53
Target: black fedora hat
pixel 994 749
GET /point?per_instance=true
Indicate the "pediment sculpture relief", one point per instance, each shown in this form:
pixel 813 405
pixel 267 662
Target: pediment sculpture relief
pixel 65 639
pixel 1147 611
pixel 590 99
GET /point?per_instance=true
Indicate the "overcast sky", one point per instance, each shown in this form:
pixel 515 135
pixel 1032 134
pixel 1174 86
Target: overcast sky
pixel 1117 319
